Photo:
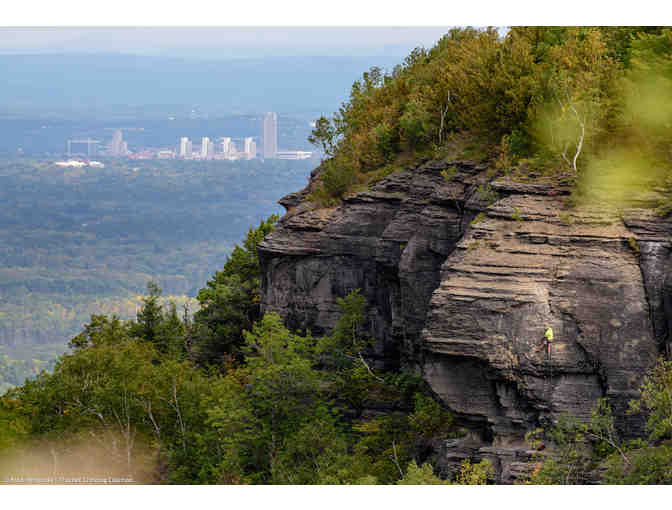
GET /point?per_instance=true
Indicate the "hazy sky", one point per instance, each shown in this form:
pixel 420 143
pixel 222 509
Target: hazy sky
pixel 222 42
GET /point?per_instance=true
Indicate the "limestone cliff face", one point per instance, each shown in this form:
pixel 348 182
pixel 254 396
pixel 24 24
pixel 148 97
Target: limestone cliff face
pixel 461 284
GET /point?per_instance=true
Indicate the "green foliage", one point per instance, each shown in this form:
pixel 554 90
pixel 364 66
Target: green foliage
pixel 141 398
pixel 566 218
pixel 475 474
pixel 101 330
pixel 150 315
pixel 392 441
pixel 570 460
pixel 385 140
pixel 114 393
pixel 406 384
pixel 634 246
pixel 479 218
pixel 576 447
pixel 469 474
pixel 348 332
pixel 559 98
pixel 449 173
pixel 269 420
pixel 13 426
pixel 487 194
pixel 420 475
pixel 416 124
pixel 324 135
pixel 656 401
pixel 647 465
pixel 336 180
pixel 230 300
pixel 429 420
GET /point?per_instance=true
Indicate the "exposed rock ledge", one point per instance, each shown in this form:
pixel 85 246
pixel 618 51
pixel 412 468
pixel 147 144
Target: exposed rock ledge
pixel 466 302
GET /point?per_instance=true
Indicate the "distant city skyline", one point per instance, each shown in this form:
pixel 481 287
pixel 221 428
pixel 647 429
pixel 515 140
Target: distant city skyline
pixel 208 149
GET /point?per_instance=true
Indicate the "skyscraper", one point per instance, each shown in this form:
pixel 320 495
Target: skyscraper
pixel 206 147
pixel 250 148
pixel 226 144
pixel 117 146
pixel 270 135
pixel 185 147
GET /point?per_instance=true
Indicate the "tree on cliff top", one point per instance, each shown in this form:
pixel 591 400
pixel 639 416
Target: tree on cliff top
pixel 550 94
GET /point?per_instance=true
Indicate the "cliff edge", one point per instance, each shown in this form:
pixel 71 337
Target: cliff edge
pixel 463 275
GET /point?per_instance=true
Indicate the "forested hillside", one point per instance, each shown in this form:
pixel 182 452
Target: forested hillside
pixel 540 100
pixel 82 241
pixel 228 397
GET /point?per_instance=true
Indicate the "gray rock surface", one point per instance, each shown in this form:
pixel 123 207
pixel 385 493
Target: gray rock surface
pixel 461 280
pixel 389 242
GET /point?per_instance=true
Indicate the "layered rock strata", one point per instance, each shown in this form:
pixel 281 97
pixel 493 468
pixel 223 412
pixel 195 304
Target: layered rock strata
pixel 389 242
pixel 462 276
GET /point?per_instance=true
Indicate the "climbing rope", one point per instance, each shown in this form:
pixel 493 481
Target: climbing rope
pixel 548 382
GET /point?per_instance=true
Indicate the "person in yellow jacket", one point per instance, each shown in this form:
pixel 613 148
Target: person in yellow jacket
pixel 548 339
pixel 548 334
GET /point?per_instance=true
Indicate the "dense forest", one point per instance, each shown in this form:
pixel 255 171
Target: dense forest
pixel 79 241
pixel 232 396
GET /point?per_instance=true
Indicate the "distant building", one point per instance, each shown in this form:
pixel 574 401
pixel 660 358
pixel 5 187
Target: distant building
pixel 293 155
pixel 117 146
pixel 207 148
pixel 205 142
pixel 72 162
pixel 225 143
pixel 250 148
pixel 185 148
pixel 233 151
pixel 165 154
pixel 270 135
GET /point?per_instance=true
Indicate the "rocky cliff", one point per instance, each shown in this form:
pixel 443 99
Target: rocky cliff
pixel 462 277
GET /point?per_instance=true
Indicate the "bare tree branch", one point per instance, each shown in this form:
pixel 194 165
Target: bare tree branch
pixel 395 459
pixel 369 369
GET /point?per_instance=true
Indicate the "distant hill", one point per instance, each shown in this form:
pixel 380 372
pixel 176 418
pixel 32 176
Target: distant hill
pixel 91 85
